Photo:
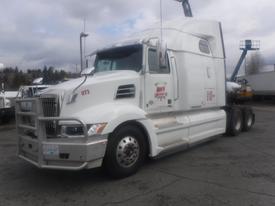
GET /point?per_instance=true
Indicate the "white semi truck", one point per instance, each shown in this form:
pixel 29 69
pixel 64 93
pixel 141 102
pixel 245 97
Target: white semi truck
pixel 6 108
pixel 7 102
pixel 140 100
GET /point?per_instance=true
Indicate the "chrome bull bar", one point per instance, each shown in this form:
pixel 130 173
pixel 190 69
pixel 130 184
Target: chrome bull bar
pixel 35 111
pixel 31 110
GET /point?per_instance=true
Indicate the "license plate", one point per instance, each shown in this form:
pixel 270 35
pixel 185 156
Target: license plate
pixel 50 150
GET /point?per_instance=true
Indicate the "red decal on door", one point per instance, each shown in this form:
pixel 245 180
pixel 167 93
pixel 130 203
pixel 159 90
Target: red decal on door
pixel 160 91
pixel 210 96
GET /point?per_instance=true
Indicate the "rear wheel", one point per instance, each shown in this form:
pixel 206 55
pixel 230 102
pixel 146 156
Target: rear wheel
pixel 126 151
pixel 234 121
pixel 248 119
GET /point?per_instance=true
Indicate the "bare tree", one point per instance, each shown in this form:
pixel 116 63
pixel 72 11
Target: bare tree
pixel 254 63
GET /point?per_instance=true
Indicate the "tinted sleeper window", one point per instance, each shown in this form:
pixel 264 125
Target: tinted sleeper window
pixel 204 48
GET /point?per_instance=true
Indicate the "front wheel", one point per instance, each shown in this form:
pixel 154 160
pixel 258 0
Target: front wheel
pixel 126 151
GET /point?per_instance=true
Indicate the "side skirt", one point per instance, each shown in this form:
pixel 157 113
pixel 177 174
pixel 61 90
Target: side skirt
pixel 172 149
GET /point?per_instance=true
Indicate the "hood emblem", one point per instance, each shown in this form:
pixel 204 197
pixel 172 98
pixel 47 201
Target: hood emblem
pixel 85 92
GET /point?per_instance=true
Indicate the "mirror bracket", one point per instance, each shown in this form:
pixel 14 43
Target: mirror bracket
pixel 88 71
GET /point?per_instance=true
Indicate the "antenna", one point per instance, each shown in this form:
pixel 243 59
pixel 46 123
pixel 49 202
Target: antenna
pixel 161 51
pixel 161 21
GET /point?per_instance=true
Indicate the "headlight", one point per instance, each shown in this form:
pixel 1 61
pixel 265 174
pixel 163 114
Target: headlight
pixel 96 129
pixel 72 131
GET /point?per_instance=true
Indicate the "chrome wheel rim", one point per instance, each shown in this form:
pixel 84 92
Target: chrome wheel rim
pixel 249 120
pixel 127 151
pixel 238 124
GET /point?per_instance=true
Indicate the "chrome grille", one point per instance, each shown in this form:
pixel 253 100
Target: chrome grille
pixel 51 108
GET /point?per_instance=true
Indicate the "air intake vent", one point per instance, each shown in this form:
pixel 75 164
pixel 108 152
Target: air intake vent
pixel 126 91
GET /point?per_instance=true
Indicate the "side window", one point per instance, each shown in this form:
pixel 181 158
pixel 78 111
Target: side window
pixel 153 61
pixel 154 66
pixel 204 48
pixel 106 65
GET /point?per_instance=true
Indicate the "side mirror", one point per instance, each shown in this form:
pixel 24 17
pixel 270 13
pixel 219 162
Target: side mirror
pixel 38 81
pixel 88 71
pixel 162 51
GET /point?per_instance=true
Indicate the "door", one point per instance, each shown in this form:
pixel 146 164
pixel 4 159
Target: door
pixel 159 95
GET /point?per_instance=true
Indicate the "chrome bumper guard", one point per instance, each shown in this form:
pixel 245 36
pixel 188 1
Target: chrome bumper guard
pixel 59 153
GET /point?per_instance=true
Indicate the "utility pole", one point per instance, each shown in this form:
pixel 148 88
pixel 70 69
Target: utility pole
pixel 2 78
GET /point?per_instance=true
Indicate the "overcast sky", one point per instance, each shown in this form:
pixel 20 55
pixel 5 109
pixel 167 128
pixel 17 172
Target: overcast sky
pixel 34 33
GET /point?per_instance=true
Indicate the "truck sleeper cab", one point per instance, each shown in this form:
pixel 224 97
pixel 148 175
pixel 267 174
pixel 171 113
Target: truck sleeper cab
pixel 132 106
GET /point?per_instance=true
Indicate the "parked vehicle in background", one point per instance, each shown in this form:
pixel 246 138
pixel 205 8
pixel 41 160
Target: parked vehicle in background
pixel 31 90
pixel 7 102
pixel 263 84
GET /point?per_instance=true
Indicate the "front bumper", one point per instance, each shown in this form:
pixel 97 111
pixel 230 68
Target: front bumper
pixel 62 153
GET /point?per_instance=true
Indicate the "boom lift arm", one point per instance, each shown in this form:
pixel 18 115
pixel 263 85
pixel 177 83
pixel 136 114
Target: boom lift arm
pixel 186 8
pixel 246 45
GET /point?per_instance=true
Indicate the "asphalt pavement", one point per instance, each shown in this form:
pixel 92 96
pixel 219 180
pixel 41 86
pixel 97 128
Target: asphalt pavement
pixel 227 171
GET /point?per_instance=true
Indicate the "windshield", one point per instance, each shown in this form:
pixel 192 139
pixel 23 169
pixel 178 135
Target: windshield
pixel 122 58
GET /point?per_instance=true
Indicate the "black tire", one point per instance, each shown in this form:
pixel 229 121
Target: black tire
pixel 122 157
pixel 248 119
pixel 234 121
pixel 4 119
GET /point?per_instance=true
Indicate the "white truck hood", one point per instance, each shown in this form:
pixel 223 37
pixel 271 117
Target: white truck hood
pixel 98 89
pixel 96 78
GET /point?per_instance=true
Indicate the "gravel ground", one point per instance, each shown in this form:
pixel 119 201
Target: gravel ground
pixel 227 171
